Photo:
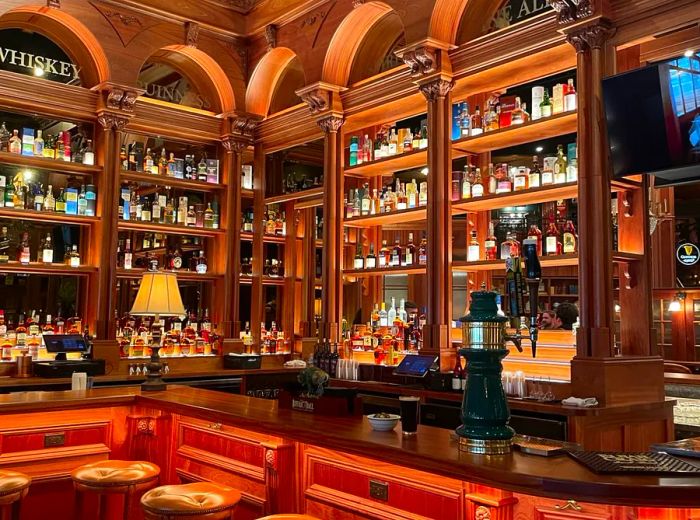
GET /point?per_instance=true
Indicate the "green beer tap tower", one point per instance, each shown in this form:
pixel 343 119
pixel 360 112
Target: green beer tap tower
pixel 485 412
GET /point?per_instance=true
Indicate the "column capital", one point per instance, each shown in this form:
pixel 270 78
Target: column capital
pixel 331 123
pixel 426 57
pixel 115 104
pixel 239 126
pixel 112 120
pixel 591 36
pixel 321 97
pixel 437 87
pixel 575 11
pixel 233 144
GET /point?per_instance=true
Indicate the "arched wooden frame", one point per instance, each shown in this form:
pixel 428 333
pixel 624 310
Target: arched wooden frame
pixel 202 71
pixel 67 32
pixel 447 17
pixel 266 78
pixel 348 39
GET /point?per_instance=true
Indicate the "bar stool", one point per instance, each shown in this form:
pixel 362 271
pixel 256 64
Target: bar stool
pixel 289 517
pixel 196 501
pixel 13 488
pixel 112 477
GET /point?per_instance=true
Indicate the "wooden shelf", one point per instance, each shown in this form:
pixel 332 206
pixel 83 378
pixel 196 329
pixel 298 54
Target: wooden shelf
pixel 621 256
pixel 128 274
pixel 365 273
pixel 47 216
pixel 247 194
pixel 389 165
pixel 296 196
pixel 153 227
pixel 273 280
pixel 549 193
pixel 161 180
pixel 541 129
pixel 247 236
pixel 500 265
pixel 246 279
pixel 49 269
pixel 395 217
pixel 43 163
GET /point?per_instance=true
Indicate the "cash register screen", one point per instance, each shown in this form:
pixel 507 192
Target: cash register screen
pixel 65 343
pixel 415 366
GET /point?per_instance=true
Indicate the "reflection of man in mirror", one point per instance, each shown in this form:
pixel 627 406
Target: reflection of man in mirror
pixel 271 311
pixel 78 139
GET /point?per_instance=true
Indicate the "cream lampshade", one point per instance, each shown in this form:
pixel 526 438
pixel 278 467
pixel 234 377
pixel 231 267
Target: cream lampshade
pixel 159 295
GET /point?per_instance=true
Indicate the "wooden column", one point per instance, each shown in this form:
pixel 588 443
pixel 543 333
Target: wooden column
pixel 332 283
pixel 256 294
pixel 232 270
pixel 308 290
pixel 439 227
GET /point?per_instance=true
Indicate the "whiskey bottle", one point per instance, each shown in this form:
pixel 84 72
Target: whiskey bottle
pixel 202 169
pixel 552 244
pixel 534 233
pixel 365 201
pixel 49 201
pixel 424 137
pixel 163 162
pixel 156 210
pixel 82 201
pixel 423 251
pixel 560 166
pixel 535 176
pixel 128 255
pixel 359 260
pixel 466 189
pixel 546 105
pixel 133 162
pixel 478 185
pixel 490 245
pixel 393 143
pixel 170 168
pixel 518 115
pixel 15 143
pixel 395 258
pixel 74 257
pixel 409 253
pixel 510 247
pixel 423 194
pixel 123 158
pixel 569 238
pixel 474 250
pixel 4 246
pixel 191 220
pixel 401 200
pixel 384 255
pixel 23 251
pixel 209 217
pixel 570 96
pixel 38 193
pixel 202 265
pixel 477 125
pixel 146 210
pixel 88 154
pixel 371 260
pixel 148 162
pixel 521 179
pixel 353 159
pixel 47 250
pixel 4 138
pixel 38 145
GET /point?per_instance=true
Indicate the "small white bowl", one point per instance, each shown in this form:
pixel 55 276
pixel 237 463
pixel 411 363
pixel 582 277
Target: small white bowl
pixel 383 424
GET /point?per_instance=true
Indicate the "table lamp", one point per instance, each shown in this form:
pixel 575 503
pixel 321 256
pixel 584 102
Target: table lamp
pixel 158 295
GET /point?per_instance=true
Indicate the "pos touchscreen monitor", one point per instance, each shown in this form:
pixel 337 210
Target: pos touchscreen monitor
pixel 415 366
pixel 62 344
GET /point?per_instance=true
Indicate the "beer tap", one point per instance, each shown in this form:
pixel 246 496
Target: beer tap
pixel 514 287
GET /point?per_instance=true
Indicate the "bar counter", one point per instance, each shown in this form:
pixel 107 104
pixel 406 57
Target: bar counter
pixel 431 454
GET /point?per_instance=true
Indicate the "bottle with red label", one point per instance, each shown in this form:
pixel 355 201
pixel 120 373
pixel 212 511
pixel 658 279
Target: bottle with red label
pixel 552 240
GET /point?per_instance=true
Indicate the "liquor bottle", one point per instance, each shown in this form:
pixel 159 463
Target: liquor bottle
pixel 572 162
pixel 38 194
pixel 491 119
pixel 395 259
pixel 162 166
pixel 423 194
pixel 391 313
pixel 383 316
pixel 466 189
pixel 546 105
pixel 534 233
pixel 408 257
pixel 560 166
pixel 191 219
pixel 38 145
pixel 465 120
pixel 518 115
pixel 359 262
pixel 477 185
pixel 570 96
pixel 74 256
pixel 423 251
pixel 48 327
pixel 354 147
pixel 477 124
pixel 148 161
pixel 393 143
pixel 474 250
pixel 510 247
pixel 4 138
pixel 202 168
pixel 457 374
pixel 375 204
pixel 123 158
pixel 60 147
pixel 371 260
pixel 424 137
pixel 504 182
pixel 47 250
pixel 490 245
pixel 4 246
pixel 552 243
pixel 365 200
pixel 170 165
pixel 521 181
pixel 493 181
pixel 82 201
pixel 569 238
pixel 202 265
pixel 535 176
pixel 23 251
pixel 407 141
pixel 412 194
pixel 15 143
pixel 89 154
pixel 209 217
pixel 132 161
pixel 367 148
pixel 384 255
pixel 128 255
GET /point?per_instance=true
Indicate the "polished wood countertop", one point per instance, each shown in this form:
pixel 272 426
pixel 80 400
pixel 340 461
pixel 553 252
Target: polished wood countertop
pixel 433 450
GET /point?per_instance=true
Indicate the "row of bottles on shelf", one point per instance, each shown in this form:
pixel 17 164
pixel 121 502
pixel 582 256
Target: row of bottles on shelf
pixel 194 335
pixel 20 249
pixel 362 202
pixel 325 357
pixel 407 255
pixel 73 199
pixel 386 144
pixel 505 111
pixel 27 334
pixel 556 240
pixel 272 341
pixel 504 178
pixel 173 258
pixel 163 208
pixel 272 267
pixel 133 158
pixel 275 223
pixel 299 181
pixel 33 144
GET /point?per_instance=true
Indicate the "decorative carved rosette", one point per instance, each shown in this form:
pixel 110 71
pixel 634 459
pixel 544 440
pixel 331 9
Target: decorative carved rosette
pixel 146 426
pixel 331 123
pixel 438 88
pixel 191 34
pixel 591 36
pixel 482 513
pixel 421 61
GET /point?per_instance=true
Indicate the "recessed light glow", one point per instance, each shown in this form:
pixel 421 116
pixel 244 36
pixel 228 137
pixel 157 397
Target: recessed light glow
pixel 674 306
pixel 28 175
pixel 425 171
pixel 38 71
pixel 617 307
pixel 539 149
pixel 689 53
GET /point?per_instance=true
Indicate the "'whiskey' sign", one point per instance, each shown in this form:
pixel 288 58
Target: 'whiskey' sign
pixel 33 54
pixel 514 11
pixel 38 65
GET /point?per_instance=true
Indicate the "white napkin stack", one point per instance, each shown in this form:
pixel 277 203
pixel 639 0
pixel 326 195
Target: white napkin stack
pixel 581 402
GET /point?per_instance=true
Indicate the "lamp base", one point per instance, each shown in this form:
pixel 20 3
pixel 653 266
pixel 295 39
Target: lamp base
pixel 154 381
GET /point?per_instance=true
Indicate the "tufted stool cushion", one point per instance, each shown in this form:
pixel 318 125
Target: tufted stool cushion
pixel 289 517
pixel 115 473
pixel 13 486
pixel 194 501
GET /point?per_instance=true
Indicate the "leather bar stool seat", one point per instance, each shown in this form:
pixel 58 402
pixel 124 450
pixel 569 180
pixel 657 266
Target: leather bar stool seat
pixel 289 517
pixel 107 477
pixel 196 501
pixel 13 488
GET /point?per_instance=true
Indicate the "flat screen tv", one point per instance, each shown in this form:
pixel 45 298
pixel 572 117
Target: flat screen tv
pixel 653 121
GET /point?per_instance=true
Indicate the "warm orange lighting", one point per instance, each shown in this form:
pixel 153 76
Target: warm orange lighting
pixel 675 305
pixel 159 295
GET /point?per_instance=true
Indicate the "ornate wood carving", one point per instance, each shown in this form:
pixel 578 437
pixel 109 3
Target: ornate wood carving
pixel 271 36
pixel 233 145
pixel 569 11
pixel 438 88
pixel 53 3
pixel 191 33
pixel 313 22
pixel 421 61
pixel 317 100
pixel 482 513
pixel 357 3
pixel 331 123
pixel 111 121
pixel 591 36
pixel 244 125
pixel 126 24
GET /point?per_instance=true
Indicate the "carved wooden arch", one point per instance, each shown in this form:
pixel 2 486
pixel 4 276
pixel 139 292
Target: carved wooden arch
pixel 67 32
pixel 203 71
pixel 446 18
pixel 266 77
pixel 348 38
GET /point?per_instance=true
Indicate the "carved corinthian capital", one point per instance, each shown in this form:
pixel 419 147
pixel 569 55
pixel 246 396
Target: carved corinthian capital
pixel 591 36
pixel 437 88
pixel 330 123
